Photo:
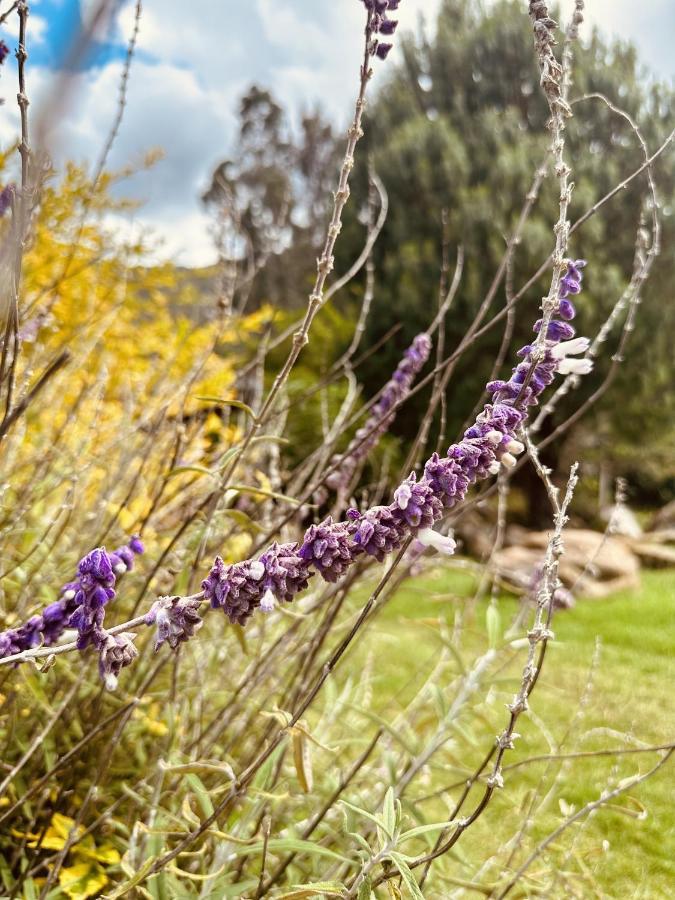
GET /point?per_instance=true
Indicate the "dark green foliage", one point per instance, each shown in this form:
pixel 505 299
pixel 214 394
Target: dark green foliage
pixel 460 125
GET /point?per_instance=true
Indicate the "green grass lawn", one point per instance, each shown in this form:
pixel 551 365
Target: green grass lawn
pixel 607 683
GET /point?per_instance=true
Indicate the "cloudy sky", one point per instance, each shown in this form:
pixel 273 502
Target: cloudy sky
pixel 191 68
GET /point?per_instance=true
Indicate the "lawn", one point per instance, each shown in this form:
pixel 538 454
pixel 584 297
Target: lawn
pixel 606 685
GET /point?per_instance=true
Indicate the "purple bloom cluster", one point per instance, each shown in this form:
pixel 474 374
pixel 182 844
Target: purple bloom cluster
pixel 238 589
pixel 381 24
pixel 382 414
pixel 283 570
pixel 176 618
pixel 330 547
pixel 80 604
pixel 4 52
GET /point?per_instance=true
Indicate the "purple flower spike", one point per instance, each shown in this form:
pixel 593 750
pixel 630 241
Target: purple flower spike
pixel 176 618
pixel 81 604
pixel 381 416
pixel 566 309
pixel 286 572
pixel 378 23
pixel 4 52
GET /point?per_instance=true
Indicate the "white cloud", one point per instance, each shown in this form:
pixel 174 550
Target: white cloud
pixel 36 27
pixel 194 64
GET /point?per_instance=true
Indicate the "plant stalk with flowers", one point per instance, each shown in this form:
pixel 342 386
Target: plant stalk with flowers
pixel 239 794
pixel 328 549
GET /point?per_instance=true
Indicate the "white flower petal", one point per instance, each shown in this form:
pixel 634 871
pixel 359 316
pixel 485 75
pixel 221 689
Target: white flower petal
pixel 514 447
pixel 570 348
pixel 268 602
pixel 430 538
pixel 256 570
pixel 569 366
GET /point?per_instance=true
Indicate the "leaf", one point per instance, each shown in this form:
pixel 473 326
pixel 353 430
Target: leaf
pixel 188 814
pixel 247 489
pixel 269 438
pixel 228 456
pixel 240 635
pixel 241 518
pixel 389 812
pixel 423 829
pixel 364 812
pixel 309 848
pixel 201 793
pixel 406 875
pixel 303 760
pixel 361 841
pixel 319 889
pixel 122 889
pixel 181 470
pixel 82 880
pixel 237 404
pixel 219 768
pixel 57 833
pixel 365 889
pixel 493 621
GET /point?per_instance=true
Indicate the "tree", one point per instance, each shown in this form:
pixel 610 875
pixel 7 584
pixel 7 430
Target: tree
pixel 269 200
pixel 464 117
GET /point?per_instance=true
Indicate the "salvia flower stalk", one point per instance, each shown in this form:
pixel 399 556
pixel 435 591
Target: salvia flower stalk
pixel 381 24
pixel 80 604
pixel 381 416
pixel 283 571
pixel 418 504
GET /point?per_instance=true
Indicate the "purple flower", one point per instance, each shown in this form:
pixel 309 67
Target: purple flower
pixel 329 548
pixel 176 618
pixel 7 193
pixel 382 50
pixel 80 605
pixel 286 572
pixel 380 24
pixel 379 532
pixel 115 652
pixel 4 52
pixel 557 331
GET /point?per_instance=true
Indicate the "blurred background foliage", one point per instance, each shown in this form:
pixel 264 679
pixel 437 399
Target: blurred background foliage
pixel 459 126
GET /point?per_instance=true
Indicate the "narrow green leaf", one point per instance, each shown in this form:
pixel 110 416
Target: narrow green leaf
pixel 309 848
pixel 181 470
pixel 365 889
pixel 388 811
pixel 201 793
pixel 221 401
pixel 319 889
pixel 407 876
pixel 248 489
pixel 419 830
pixel 240 517
pixel 269 439
pixel 122 889
pixel 373 818
pixel 493 621
pixel 228 456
